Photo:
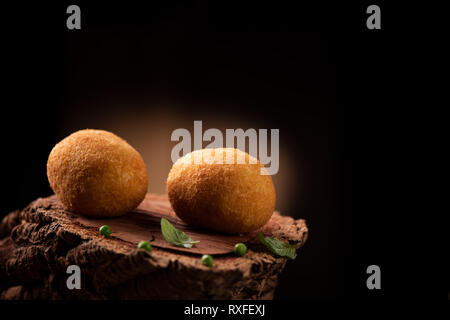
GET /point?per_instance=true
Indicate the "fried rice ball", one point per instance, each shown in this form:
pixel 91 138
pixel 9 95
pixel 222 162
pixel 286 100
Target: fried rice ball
pixel 96 173
pixel 226 197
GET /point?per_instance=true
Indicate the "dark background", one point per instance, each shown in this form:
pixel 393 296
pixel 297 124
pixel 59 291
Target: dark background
pixel 313 71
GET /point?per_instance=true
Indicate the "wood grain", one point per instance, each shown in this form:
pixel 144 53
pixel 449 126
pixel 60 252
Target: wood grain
pixel 144 224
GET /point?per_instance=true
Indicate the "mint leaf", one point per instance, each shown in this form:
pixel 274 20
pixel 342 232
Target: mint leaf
pixel 175 236
pixel 278 247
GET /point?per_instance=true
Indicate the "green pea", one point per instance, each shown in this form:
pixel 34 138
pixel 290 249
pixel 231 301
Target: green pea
pixel 240 249
pixel 145 245
pixel 207 260
pixel 105 231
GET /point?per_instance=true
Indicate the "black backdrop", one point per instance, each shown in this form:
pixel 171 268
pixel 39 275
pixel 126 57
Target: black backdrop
pixel 314 71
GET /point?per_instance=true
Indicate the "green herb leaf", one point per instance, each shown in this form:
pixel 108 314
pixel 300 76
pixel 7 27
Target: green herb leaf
pixel 175 236
pixel 278 247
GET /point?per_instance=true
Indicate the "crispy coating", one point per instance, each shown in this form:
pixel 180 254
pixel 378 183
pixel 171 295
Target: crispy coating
pixel 96 173
pixel 230 198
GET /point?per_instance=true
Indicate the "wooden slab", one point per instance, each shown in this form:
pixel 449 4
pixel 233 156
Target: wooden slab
pixel 38 243
pixel 144 224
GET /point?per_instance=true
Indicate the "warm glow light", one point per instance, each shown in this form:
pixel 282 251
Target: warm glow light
pixel 148 130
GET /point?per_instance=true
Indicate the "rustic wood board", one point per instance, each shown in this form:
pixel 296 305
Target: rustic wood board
pixel 144 224
pixel 38 243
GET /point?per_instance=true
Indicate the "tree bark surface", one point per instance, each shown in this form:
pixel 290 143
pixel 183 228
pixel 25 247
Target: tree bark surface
pixel 38 243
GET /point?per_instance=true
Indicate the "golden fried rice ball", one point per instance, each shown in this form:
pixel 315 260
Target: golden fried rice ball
pixel 96 173
pixel 225 197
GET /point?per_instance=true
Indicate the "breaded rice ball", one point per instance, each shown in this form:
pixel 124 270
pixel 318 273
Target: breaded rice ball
pixel 226 197
pixel 96 173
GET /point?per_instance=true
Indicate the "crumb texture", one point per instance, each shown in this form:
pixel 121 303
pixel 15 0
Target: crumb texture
pixel 208 190
pixel 97 173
